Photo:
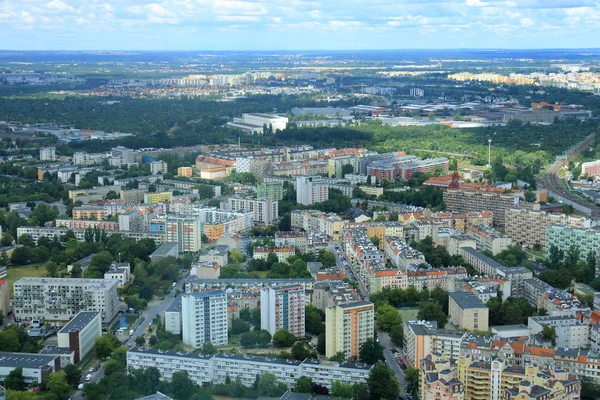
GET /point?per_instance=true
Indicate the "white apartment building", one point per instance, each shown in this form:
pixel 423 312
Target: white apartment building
pixel 348 326
pixel 37 232
pixel 48 154
pixel 185 230
pixel 570 331
pixel 121 156
pixel 173 317
pixel 204 318
pixel 121 272
pixel 158 167
pixel 264 210
pixel 283 308
pixel 198 366
pixel 60 299
pixel 317 221
pixel 489 239
pixel 220 367
pixel 311 189
pixel 131 220
pixel 282 253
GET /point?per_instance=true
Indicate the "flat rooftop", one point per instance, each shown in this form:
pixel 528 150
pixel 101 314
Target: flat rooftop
pixel 80 321
pixel 165 248
pixel 467 300
pixel 25 360
pixel 53 349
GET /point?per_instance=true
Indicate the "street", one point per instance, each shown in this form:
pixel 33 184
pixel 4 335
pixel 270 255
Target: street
pixel 391 362
pixel 346 266
pixel 154 308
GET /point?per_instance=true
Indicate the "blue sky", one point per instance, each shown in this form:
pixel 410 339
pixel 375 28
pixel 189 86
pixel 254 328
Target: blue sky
pixel 297 24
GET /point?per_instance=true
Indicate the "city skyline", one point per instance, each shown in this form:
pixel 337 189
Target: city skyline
pixel 297 25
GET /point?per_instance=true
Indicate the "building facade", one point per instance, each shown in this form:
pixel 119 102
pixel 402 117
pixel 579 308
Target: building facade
pixel 204 318
pixel 283 308
pixel 348 326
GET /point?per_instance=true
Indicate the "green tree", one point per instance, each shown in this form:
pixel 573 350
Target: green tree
pixel 301 350
pixel 327 258
pixel 263 338
pixel 105 345
pixel 370 352
pixel 14 395
pixel 430 311
pixel 388 316
pixel 347 169
pixel 375 240
pixel 411 376
pixel 549 334
pixel 382 383
pixel 140 340
pixel 73 374
pixel 239 326
pixel 338 357
pixel 203 394
pixel 182 387
pixel 303 385
pixel 397 334
pixel 208 348
pixel 341 390
pixel 269 386
pixel 248 339
pixel 321 343
pixel 313 319
pixel 15 380
pixel 283 338
pixel 58 385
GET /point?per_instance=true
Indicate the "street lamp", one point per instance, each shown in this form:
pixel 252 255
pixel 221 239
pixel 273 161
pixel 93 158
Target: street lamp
pixel 489 164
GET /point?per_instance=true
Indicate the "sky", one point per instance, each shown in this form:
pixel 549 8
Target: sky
pixel 297 24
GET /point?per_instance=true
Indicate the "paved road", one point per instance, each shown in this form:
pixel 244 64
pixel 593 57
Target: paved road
pixel 153 309
pixel 351 274
pixel 391 362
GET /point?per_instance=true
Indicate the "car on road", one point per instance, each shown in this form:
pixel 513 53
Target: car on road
pixel 91 369
pixel 80 386
pixel 88 377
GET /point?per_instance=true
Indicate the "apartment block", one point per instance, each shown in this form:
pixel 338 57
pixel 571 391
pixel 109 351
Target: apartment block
pixel 35 367
pixel 120 272
pixel 283 308
pixel 439 379
pixel 399 253
pixel 317 221
pixel 185 171
pixel 466 311
pixel 88 212
pixel 85 224
pixel 590 168
pixel 270 190
pixel 173 317
pixel 213 369
pixel 134 196
pixel 498 204
pixel 48 154
pixel 490 267
pixel 282 253
pixel 158 167
pixel 528 227
pixel 563 237
pixel 534 290
pixel 204 318
pixel 158 197
pixel 80 334
pixel 570 331
pixel 60 299
pixel 489 239
pixel 131 220
pixel 348 326
pixel 311 189
pixel 185 230
pixel 265 211
pixel 37 232
pixel 428 166
pixel 295 239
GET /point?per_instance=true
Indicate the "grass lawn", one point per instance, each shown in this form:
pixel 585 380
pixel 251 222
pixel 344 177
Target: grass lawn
pixel 540 255
pixel 262 274
pixel 408 314
pixel 14 274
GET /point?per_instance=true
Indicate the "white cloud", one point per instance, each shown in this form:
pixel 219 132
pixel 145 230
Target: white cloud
pixel 526 21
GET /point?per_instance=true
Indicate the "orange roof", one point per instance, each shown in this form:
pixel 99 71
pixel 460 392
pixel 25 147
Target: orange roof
pixel 541 351
pixel 3 282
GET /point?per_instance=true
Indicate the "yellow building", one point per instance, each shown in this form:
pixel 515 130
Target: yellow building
pixel 162 197
pixel 348 327
pixel 88 212
pixel 214 231
pixel 372 190
pixel 185 171
pixel 467 311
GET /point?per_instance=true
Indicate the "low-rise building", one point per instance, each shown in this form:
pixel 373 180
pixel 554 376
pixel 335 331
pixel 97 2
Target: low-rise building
pixel 173 317
pixel 80 334
pixel 35 367
pixel 120 272
pixel 570 331
pixel 489 239
pixel 169 249
pixel 282 253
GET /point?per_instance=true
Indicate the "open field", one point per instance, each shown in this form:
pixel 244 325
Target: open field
pixel 14 274
pixel 409 314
